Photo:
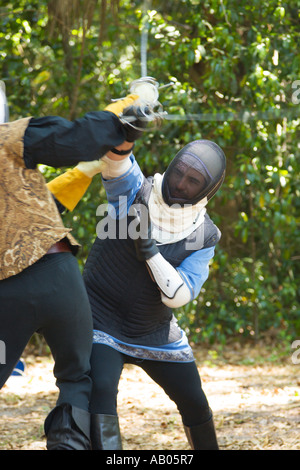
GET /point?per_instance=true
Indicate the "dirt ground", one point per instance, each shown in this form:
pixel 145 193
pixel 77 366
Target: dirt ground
pixel 254 392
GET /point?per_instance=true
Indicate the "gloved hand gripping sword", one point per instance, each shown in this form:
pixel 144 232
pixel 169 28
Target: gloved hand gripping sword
pixel 136 111
pixel 146 113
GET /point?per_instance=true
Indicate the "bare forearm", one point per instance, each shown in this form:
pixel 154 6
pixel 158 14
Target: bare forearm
pixel 121 148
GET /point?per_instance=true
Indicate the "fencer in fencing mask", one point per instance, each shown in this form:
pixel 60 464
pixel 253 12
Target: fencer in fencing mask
pixel 178 200
pixel 195 173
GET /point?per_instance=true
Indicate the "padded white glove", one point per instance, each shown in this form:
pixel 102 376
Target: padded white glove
pixel 91 169
pixel 115 168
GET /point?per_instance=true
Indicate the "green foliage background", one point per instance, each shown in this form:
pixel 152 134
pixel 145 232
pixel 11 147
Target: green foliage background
pixel 233 64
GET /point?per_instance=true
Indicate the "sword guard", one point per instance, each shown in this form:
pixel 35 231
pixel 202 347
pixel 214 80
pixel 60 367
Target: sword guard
pixel 147 108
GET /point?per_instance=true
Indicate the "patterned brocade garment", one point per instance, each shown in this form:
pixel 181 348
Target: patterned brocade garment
pixel 30 221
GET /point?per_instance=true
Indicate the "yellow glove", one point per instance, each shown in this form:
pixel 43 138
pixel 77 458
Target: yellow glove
pixel 118 106
pixel 69 187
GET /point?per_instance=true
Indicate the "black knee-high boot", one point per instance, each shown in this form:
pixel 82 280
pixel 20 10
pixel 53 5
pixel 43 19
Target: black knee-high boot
pixel 68 428
pixel 202 436
pixel 105 432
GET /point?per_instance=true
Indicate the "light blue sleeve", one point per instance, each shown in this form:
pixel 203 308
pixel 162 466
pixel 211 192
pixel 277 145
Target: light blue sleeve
pixel 195 268
pixel 122 191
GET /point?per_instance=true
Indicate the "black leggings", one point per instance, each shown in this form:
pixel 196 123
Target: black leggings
pixel 50 297
pixel 180 381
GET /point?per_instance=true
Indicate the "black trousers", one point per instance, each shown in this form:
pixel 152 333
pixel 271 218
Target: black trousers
pixel 49 297
pixel 180 381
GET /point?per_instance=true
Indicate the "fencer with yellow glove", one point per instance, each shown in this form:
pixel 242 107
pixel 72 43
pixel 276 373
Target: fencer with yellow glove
pixel 70 187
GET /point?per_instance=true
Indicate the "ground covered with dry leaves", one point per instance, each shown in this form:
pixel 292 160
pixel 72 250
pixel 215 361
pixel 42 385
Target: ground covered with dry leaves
pixel 254 392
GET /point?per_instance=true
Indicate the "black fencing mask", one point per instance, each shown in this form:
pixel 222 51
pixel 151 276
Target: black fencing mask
pixel 195 173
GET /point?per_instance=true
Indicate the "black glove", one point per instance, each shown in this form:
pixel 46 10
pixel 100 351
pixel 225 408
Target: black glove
pixel 145 246
pixel 138 122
